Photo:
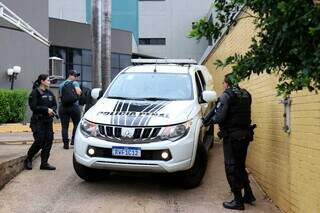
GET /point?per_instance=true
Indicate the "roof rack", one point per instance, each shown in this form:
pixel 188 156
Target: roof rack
pixel 163 61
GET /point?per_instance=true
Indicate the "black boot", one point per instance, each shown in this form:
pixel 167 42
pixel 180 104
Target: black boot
pixel 28 164
pixel 66 145
pixel 248 195
pixel 236 203
pixel 46 166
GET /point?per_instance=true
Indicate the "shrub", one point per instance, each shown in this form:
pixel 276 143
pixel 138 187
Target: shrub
pixel 13 105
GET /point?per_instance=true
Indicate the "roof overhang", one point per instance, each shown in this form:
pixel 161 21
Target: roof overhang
pixel 8 19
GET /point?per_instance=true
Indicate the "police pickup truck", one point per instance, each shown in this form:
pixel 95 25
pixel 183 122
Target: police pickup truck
pixel 149 120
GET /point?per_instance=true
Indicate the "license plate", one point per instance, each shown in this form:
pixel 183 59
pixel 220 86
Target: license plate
pixel 126 151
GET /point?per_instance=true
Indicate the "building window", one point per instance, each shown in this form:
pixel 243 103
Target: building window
pixel 118 63
pixel 152 41
pixel 81 60
pixel 77 59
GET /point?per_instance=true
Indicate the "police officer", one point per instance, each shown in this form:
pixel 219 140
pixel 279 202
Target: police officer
pixel 69 111
pixel 233 114
pixel 43 104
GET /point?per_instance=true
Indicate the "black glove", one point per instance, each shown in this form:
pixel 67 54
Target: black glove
pixel 206 122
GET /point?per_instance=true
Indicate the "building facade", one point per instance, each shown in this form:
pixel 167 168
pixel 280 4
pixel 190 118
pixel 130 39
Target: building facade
pixel 19 48
pixel 70 35
pixel 164 26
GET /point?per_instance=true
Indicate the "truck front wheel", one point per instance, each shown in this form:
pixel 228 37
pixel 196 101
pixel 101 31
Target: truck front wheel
pixel 89 174
pixel 192 177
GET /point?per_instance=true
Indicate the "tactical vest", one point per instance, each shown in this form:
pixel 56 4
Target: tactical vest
pixel 239 111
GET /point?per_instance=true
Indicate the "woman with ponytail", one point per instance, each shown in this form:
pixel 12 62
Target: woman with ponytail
pixel 43 104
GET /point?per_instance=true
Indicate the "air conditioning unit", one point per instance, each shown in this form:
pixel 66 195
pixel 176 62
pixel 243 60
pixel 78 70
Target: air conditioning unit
pixel 56 68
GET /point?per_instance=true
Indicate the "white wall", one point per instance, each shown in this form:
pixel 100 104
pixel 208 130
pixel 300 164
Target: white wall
pixel 172 19
pixel 72 10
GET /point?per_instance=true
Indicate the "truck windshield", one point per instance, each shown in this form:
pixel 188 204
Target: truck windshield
pixel 151 86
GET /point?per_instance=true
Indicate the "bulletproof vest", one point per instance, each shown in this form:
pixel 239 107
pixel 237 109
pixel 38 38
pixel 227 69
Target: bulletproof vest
pixel 239 111
pixel 44 98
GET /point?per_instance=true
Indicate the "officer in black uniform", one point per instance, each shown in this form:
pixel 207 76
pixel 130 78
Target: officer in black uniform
pixel 43 104
pixel 233 114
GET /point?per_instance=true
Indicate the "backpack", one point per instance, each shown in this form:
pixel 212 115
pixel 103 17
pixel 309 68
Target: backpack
pixel 68 94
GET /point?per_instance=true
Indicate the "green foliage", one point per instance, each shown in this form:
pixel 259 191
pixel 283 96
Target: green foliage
pixel 13 105
pixel 287 42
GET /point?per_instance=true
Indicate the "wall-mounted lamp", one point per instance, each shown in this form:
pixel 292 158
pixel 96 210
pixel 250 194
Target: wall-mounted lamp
pixel 13 73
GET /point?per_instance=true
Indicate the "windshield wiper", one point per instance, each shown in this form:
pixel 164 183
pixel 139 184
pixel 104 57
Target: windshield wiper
pixel 118 97
pixel 155 99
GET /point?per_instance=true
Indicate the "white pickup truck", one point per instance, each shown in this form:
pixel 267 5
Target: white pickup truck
pixel 149 120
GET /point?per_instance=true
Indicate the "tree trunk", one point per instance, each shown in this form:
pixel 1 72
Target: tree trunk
pixel 106 44
pixel 96 43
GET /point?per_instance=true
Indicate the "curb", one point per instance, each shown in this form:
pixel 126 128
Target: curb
pixel 11 168
pixel 26 142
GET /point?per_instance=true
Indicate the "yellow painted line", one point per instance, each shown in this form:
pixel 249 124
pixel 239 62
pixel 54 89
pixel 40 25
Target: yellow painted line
pixel 19 127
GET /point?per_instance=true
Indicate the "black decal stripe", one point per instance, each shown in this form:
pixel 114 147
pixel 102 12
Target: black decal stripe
pixel 126 116
pixel 138 117
pixel 161 107
pixel 123 113
pixel 145 118
pixel 114 110
pixel 118 116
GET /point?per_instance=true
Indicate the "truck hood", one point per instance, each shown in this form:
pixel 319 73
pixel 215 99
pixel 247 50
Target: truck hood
pixel 139 113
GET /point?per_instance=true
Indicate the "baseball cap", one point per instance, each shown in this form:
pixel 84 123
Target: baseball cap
pixel 73 73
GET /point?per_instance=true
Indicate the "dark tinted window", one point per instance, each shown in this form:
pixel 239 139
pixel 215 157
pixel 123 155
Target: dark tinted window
pixel 152 41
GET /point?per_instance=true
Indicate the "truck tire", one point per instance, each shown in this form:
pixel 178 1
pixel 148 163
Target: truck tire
pixel 89 174
pixel 192 177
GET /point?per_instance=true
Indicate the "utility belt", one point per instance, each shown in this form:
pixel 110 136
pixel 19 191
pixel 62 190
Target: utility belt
pixel 40 117
pixel 238 133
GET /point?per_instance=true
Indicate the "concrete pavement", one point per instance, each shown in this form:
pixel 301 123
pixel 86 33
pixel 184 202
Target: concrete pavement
pixel 13 149
pixel 121 192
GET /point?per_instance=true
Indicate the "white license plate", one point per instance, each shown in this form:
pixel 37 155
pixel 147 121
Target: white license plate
pixel 126 151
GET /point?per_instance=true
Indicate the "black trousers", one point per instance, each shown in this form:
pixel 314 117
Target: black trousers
pixel 65 114
pixel 235 148
pixel 43 137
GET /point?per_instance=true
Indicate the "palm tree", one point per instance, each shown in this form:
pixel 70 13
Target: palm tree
pixel 106 44
pixel 96 43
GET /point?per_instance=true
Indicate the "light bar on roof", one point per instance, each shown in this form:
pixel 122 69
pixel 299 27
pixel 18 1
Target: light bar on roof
pixel 163 61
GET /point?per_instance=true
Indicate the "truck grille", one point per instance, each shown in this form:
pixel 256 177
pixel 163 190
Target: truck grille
pixel 130 135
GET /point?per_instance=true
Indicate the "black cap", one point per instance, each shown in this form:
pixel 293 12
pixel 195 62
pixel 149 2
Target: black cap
pixel 73 73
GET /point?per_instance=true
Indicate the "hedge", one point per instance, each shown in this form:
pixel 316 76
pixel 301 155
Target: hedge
pixel 13 105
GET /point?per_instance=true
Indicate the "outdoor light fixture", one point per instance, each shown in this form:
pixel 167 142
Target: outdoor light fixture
pixel 91 151
pixel 164 155
pixel 13 73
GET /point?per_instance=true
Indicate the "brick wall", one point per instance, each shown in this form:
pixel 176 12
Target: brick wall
pixel 287 166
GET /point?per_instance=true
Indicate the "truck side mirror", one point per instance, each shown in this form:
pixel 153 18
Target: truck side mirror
pixel 96 93
pixel 209 96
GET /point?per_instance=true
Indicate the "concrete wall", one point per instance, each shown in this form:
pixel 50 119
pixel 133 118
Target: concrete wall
pixel 285 165
pixel 18 48
pixel 72 10
pixel 172 20
pixel 78 35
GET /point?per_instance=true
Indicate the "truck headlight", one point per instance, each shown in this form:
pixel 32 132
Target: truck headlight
pixel 176 132
pixel 88 128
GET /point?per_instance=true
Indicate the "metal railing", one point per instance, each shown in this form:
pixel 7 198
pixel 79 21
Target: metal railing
pixel 15 20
